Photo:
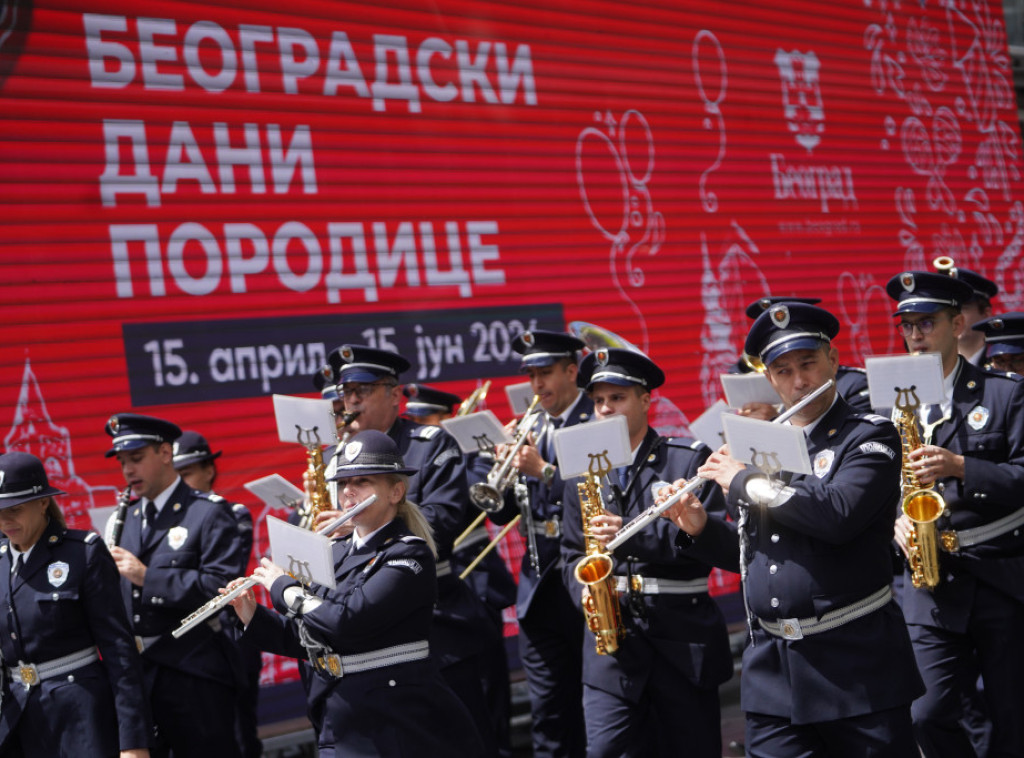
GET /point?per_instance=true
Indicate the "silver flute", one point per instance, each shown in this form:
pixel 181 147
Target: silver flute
pixel 220 602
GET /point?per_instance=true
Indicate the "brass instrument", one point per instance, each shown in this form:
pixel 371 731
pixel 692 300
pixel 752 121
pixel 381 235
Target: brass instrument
pixel 922 506
pixel 489 496
pixel 594 570
pixel 117 528
pixel 319 498
pixel 753 363
pixel 945 265
pixel 470 403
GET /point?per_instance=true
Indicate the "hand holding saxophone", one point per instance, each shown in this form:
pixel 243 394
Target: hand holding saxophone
pixel 605 526
pixel 931 463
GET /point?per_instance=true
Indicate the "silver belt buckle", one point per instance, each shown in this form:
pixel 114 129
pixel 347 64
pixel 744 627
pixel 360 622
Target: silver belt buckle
pixel 637 584
pixel 29 674
pixel 790 629
pixel 552 528
pixel 331 664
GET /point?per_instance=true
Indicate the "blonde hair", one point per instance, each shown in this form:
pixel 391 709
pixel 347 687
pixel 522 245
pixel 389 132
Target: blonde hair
pixel 413 517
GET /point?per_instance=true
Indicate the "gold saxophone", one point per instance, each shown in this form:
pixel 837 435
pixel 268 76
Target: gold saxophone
pixel 594 570
pixel 319 498
pixel 923 506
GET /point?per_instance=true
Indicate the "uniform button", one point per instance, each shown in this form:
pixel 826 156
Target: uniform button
pixel 1016 532
pixel 775 602
pixel 391 683
pixel 136 593
pixel 136 618
pixel 775 538
pixel 773 569
pixel 56 596
pixel 71 677
pixel 14 636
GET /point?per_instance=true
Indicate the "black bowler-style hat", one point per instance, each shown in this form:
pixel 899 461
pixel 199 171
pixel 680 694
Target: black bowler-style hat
pixel 367 453
pixel 22 479
pixel 192 447
pixel 132 431
pixel 620 366
pixel 1004 334
pixel 424 400
pixel 541 348
pixel 790 326
pixel 361 363
pixel 925 292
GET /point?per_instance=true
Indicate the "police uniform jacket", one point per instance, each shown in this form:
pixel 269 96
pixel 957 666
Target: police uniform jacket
pixel 852 386
pixel 546 506
pixel 65 600
pixel 825 547
pixel 685 631
pixel 384 597
pixel 462 625
pixel 986 426
pixel 193 549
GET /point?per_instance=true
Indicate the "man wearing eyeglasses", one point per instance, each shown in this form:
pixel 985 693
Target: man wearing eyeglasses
pixel 973 455
pixel 368 381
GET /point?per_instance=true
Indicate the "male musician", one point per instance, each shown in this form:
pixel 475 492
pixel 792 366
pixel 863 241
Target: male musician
pixel 369 382
pixel 973 453
pixel 658 694
pixel 975 308
pixel 1004 341
pixel 828 670
pixel 196 463
pixel 428 405
pixel 177 549
pixel 550 623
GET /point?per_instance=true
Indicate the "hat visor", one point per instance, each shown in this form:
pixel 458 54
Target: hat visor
pixel 10 502
pixel 348 472
pixel 619 381
pixel 180 461
pixel 919 307
pixel 1003 348
pixel 120 447
pixel 361 375
pixel 537 361
pixel 797 343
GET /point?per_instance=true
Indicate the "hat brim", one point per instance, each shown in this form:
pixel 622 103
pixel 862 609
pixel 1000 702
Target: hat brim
pixel 362 375
pixel 349 472
pixel 797 343
pixel 920 307
pixel 180 461
pixel 122 447
pixel 10 502
pixel 616 379
pixel 1003 348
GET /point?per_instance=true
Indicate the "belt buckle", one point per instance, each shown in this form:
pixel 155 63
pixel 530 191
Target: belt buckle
pixel 552 528
pixel 139 644
pixel 29 674
pixel 950 541
pixel 636 583
pixel 331 664
pixel 790 629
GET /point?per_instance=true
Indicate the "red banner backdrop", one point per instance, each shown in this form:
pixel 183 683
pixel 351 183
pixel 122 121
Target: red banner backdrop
pixel 200 200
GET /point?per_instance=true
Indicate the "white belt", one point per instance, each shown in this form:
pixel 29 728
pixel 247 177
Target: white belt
pixel 552 528
pixel 953 541
pixel 342 665
pixel 444 568
pixel 476 536
pixel 795 629
pixel 653 585
pixel 30 674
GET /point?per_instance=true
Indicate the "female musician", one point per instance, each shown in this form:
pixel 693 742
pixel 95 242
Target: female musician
pixel 374 690
pixel 72 679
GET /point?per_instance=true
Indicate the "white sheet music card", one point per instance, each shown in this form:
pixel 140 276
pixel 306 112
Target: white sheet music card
pixel 777 447
pixel 708 426
pixel 604 442
pixel 304 554
pixel 102 519
pixel 741 389
pixel 887 372
pixel 309 413
pixel 477 431
pixel 519 397
pixel 275 491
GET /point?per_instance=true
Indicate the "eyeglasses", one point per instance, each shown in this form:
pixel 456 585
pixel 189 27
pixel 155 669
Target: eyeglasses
pixel 925 326
pixel 363 391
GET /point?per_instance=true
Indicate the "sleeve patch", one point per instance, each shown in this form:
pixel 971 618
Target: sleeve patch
pixel 878 447
pixel 408 563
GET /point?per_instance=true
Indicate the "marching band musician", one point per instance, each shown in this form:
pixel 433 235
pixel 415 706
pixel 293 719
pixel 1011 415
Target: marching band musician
pixel 72 682
pixel 1004 341
pixel 462 628
pixel 375 688
pixel 177 549
pixel 550 623
pixel 973 454
pixel 658 694
pixel 974 309
pixel 428 405
pixel 828 668
pixel 197 464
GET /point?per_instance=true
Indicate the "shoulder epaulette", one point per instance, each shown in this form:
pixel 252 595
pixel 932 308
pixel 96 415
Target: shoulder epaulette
pixel 412 538
pixel 855 368
pixel 79 535
pixel 685 442
pixel 426 432
pixel 214 497
pixel 872 418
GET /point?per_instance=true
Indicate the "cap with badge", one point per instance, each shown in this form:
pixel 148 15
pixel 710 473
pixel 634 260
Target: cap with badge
pixel 620 366
pixel 22 479
pixel 762 304
pixel 367 453
pixel 192 447
pixel 323 380
pixel 424 400
pixel 1004 334
pixel 790 326
pixel 925 292
pixel 541 348
pixel 132 431
pixel 361 363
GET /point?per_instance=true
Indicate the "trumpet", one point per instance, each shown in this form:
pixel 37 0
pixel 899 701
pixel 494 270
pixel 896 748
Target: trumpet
pixel 470 403
pixel 489 496
pixel 215 605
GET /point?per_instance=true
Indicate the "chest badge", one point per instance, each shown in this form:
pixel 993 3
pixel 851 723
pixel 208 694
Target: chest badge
pixel 57 573
pixel 978 417
pixel 176 536
pixel 823 462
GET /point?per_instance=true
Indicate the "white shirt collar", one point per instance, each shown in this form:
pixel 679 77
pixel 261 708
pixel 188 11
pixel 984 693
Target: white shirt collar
pixel 808 428
pixel 358 542
pixel 161 500
pixel 15 553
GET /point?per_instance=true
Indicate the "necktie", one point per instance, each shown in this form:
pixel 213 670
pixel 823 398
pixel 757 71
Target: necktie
pixel 150 511
pixel 549 441
pixel 18 566
pixel 623 474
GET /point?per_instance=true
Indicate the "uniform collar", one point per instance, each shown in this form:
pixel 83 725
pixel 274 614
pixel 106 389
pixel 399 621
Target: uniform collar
pixel 161 500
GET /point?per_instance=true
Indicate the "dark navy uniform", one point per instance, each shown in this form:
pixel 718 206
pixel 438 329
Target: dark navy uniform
pixel 658 695
pixel 193 549
pixel 63 601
